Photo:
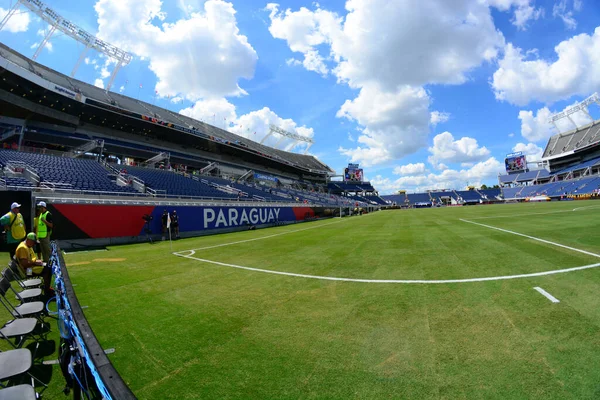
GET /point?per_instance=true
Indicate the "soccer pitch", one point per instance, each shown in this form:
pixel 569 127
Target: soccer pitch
pixel 425 303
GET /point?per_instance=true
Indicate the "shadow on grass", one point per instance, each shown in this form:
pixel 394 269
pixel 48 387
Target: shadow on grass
pixel 42 348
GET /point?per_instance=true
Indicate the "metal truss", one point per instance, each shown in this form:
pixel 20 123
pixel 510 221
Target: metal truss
pixel 57 22
pixel 285 134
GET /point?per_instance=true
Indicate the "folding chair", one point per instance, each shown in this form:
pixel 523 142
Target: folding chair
pixel 33 309
pixel 25 294
pixel 20 329
pixel 21 278
pixel 19 392
pixel 14 363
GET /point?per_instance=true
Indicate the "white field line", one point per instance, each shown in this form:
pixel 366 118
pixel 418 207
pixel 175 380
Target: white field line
pixel 261 238
pixel 190 255
pixel 540 213
pixel 586 207
pixel 547 295
pixel 405 281
pixel 523 215
pixel 533 238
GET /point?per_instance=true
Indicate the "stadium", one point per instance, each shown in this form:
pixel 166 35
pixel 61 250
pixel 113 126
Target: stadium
pixel 189 261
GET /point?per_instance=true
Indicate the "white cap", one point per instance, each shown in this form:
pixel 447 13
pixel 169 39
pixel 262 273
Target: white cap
pixel 15 205
pixel 42 204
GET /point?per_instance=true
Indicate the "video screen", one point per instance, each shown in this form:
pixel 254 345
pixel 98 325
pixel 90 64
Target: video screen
pixel 514 164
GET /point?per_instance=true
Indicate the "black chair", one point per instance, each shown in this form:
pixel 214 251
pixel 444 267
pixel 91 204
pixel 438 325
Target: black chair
pixel 19 392
pixel 24 294
pixel 14 363
pixel 21 279
pixel 31 309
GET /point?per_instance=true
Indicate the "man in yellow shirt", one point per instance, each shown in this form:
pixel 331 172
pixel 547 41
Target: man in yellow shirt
pixel 14 226
pixel 30 265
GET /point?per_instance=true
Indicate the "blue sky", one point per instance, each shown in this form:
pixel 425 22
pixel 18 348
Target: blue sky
pixel 424 95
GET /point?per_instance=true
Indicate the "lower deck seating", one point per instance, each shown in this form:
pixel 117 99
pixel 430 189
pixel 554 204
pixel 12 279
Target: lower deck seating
pixel 72 173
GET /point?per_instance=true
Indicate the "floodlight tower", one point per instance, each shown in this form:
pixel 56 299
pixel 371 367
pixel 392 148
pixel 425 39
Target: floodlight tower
pixel 285 134
pixel 57 22
pixel 583 107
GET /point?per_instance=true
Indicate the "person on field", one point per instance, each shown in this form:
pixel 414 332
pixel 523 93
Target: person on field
pixel 175 224
pixel 44 230
pixel 30 265
pixel 14 226
pixel 37 247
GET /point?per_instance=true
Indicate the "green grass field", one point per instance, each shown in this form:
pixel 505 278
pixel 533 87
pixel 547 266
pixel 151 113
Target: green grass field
pixel 185 329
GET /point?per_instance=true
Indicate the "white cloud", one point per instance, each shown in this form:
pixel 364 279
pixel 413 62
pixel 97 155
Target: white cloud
pixel 304 30
pixel 453 39
pixel 396 123
pixel 361 49
pixel 537 127
pixel 253 125
pixel 19 22
pixel 511 135
pixel 560 10
pixel 216 111
pixel 122 89
pixel 482 172
pixel 463 150
pixel 524 11
pixel 438 117
pixel 99 83
pixel 576 71
pixel 200 56
pixel 410 169
pixel 531 150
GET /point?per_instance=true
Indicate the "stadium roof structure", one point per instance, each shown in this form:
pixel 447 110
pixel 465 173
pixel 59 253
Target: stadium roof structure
pixel 57 22
pixel 90 103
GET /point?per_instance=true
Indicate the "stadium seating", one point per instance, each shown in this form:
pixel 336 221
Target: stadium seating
pixel 175 184
pixel 491 194
pixel 469 196
pixel 71 173
pixel 418 198
pixel 438 195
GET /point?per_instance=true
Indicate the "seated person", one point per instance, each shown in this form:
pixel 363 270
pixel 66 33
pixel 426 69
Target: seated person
pixel 30 265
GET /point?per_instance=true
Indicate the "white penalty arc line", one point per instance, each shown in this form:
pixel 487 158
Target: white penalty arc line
pixel 533 238
pixel 190 255
pixel 404 281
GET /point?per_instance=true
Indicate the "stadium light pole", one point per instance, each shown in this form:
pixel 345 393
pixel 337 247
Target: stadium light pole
pixel 290 135
pixel 57 22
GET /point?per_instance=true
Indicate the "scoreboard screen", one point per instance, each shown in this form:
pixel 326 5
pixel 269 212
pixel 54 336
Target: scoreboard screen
pixel 353 173
pixel 515 163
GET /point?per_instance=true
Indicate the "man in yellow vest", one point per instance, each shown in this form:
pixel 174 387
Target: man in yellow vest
pixel 14 226
pixel 44 230
pixel 30 265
